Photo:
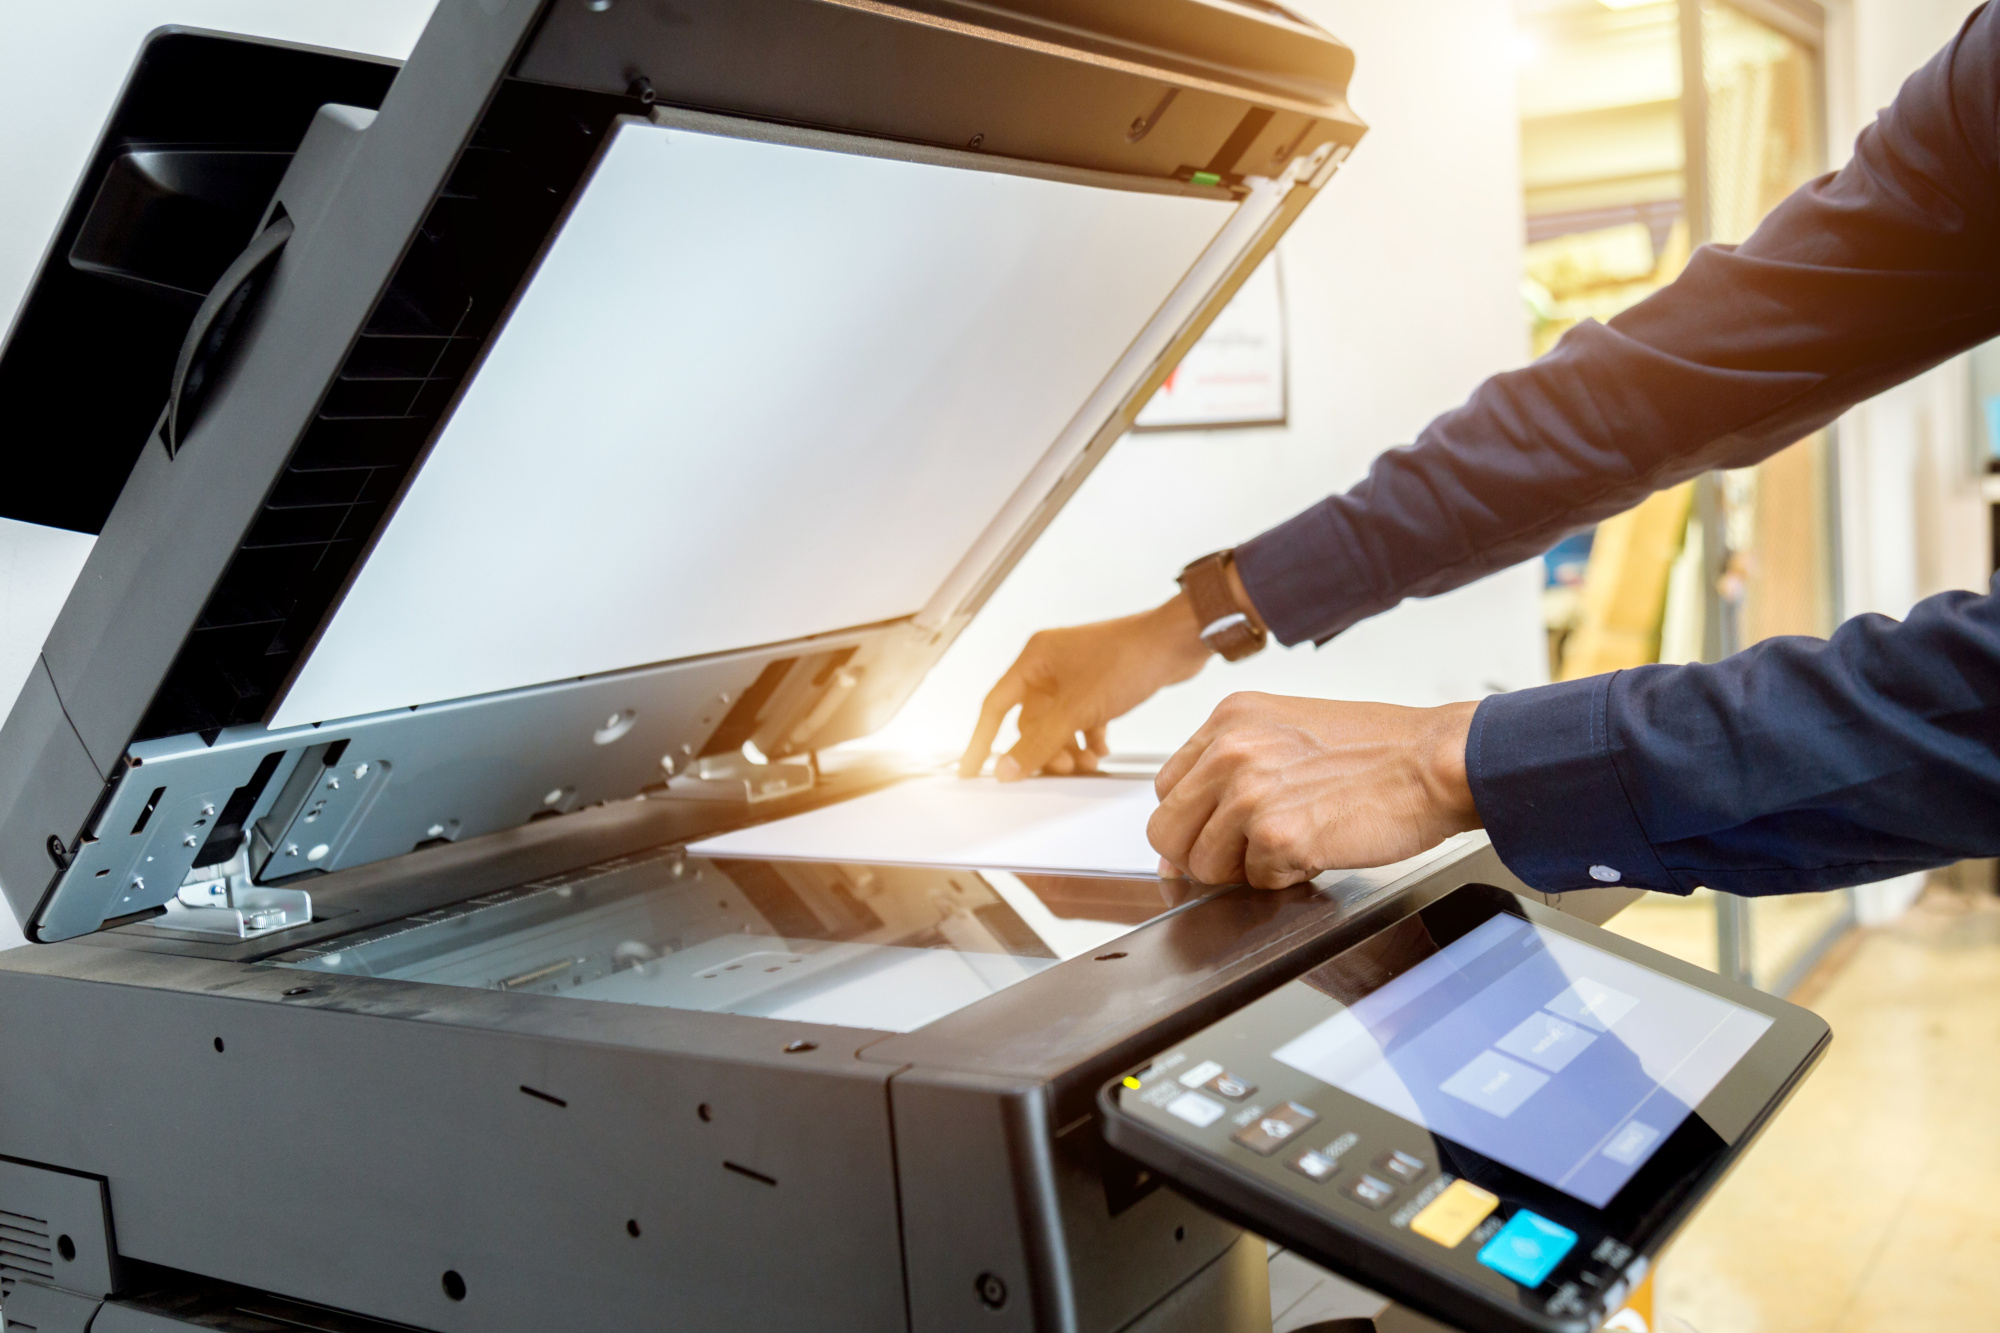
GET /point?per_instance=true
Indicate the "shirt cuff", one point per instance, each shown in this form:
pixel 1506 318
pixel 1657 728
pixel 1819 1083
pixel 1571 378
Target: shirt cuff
pixel 1300 576
pixel 1540 766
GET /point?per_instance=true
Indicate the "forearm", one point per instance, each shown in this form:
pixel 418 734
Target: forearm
pixel 1855 283
pixel 1799 764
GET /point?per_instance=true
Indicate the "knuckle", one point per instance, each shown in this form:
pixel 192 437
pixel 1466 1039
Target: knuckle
pixel 1234 747
pixel 1273 832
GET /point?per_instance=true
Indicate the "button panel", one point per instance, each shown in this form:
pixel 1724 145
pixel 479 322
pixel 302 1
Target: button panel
pixel 1228 1085
pixel 1528 1248
pixel 1274 1128
pixel 1450 1213
pixel 1372 1192
pixel 1315 1166
pixel 1399 1165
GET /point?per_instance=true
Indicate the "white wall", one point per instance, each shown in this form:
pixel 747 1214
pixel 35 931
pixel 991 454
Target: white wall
pixel 60 71
pixel 1402 288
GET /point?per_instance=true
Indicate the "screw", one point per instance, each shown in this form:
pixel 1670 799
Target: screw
pixel 978 141
pixel 800 1047
pixel 1138 127
pixel 992 1291
pixel 208 812
pixel 642 88
pixel 188 841
pixel 291 849
pixel 598 6
pixel 360 772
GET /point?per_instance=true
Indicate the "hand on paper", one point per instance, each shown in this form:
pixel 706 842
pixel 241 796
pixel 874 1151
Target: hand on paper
pixel 1273 790
pixel 1068 683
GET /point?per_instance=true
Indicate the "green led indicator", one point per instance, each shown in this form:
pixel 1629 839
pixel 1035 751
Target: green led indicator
pixel 1205 178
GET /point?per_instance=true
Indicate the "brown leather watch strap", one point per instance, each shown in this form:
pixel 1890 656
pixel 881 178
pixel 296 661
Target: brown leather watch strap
pixel 1225 627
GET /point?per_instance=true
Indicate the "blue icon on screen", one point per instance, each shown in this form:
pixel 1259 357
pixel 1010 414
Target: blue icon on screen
pixel 1528 1248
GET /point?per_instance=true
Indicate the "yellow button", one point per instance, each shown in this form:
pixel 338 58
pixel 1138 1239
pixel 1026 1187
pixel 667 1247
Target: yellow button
pixel 1450 1217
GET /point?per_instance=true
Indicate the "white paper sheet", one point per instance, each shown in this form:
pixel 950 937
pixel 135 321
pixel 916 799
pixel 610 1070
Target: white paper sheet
pixel 1093 826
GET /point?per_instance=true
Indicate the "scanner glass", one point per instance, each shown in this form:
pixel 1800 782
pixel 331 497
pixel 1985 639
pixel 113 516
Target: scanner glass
pixel 755 391
pixel 882 947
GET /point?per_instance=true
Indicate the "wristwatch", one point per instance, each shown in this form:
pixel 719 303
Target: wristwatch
pixel 1225 628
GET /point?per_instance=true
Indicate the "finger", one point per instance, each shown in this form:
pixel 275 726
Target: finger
pixel 1043 734
pixel 1217 854
pixel 1180 818
pixel 1061 764
pixel 1000 701
pixel 1095 741
pixel 1086 759
pixel 1179 763
pixel 1168 870
pixel 1273 867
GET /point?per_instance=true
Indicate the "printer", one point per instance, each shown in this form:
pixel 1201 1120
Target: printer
pixel 509 468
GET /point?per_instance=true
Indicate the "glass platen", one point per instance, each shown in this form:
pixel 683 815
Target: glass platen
pixel 889 948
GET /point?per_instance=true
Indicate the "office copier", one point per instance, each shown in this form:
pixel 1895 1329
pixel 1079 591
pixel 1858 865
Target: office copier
pixel 508 467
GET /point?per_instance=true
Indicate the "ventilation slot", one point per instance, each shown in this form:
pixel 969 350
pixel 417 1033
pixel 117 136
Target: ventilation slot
pixel 25 1253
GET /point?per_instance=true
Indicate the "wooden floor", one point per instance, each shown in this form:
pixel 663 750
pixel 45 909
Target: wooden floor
pixel 1873 1202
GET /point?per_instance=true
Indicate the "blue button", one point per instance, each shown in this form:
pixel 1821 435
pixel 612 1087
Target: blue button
pixel 1528 1248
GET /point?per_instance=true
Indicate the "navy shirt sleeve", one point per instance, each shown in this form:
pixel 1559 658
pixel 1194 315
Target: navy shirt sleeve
pixel 1857 282
pixel 1796 764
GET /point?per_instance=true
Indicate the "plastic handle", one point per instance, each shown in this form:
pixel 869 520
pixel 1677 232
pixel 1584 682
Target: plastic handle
pixel 208 336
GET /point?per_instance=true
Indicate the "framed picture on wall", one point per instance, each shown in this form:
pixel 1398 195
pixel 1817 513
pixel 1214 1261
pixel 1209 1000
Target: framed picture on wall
pixel 1235 376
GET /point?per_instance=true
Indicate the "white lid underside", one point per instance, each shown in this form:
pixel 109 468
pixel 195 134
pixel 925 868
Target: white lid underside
pixel 755 392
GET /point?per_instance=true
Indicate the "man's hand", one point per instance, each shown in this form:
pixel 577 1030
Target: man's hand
pixel 1071 682
pixel 1273 790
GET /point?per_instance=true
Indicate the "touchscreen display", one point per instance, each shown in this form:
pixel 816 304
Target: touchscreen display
pixel 1563 1061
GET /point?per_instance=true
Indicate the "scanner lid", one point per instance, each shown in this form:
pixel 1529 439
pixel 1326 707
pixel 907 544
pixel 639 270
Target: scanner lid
pixel 559 431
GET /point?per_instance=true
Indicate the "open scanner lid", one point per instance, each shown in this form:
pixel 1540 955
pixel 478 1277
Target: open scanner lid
pixel 623 391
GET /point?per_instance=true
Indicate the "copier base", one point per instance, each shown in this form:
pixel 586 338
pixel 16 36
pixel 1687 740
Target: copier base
pixel 1240 1292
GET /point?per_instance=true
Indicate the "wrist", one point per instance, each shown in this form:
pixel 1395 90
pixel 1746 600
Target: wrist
pixel 1215 593
pixel 1445 773
pixel 1241 594
pixel 1177 635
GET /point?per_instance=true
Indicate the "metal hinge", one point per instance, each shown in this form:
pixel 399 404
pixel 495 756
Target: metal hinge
pixel 737 778
pixel 222 900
